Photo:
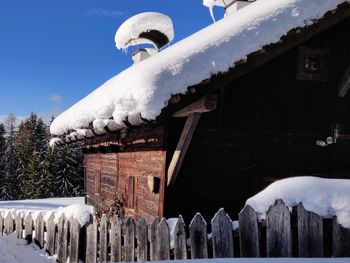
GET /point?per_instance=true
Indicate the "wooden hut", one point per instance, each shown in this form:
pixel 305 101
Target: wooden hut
pixel 280 112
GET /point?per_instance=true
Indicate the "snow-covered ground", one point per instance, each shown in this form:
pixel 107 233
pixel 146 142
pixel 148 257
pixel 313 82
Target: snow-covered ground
pixel 70 207
pixel 325 197
pixel 13 250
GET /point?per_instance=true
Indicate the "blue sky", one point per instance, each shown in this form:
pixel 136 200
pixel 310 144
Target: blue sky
pixel 55 52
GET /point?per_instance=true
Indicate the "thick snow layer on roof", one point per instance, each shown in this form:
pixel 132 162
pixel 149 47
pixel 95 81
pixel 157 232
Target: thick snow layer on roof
pixel 148 85
pixel 325 197
pixel 73 207
pixel 129 32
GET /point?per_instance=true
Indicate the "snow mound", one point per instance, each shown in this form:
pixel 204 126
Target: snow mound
pixel 148 85
pixel 71 207
pixel 129 32
pixel 325 197
pixel 15 250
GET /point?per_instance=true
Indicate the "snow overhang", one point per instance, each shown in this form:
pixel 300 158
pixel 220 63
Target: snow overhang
pixel 145 89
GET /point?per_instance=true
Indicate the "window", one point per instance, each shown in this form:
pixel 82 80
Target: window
pixel 312 64
pixel 131 192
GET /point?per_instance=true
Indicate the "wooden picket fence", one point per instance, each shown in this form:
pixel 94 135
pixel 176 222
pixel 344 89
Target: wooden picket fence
pixel 282 234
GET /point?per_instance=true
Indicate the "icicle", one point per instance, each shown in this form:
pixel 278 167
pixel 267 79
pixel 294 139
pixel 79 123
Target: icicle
pixel 212 13
pixel 210 4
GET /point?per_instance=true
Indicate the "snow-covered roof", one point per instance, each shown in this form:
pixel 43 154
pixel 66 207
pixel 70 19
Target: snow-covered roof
pixel 325 197
pixel 147 86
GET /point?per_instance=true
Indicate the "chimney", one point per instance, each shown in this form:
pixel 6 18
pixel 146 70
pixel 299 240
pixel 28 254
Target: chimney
pixel 142 54
pixel 234 6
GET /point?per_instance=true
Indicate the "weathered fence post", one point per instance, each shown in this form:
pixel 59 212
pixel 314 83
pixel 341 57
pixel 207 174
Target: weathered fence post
pixel 103 238
pixel 91 241
pixel 50 235
pixel 9 224
pixel 74 241
pixel 39 230
pixel 19 225
pixel 198 237
pixel 153 239
pixel 310 233
pixel 1 224
pixel 62 236
pixel 180 251
pixel 249 233
pixel 142 240
pixel 130 240
pixel 163 241
pixel 278 231
pixel 341 240
pixel 28 228
pixel 116 240
pixel 222 237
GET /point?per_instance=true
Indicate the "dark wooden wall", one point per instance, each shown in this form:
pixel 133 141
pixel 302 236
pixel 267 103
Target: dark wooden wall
pixel 264 129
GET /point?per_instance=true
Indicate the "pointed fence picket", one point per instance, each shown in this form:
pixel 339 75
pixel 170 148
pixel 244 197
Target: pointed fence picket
pixel 116 240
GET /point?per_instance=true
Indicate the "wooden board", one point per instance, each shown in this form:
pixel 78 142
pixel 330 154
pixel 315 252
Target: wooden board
pixel 278 231
pixel 249 233
pixel 310 233
pixel 222 237
pixel 182 146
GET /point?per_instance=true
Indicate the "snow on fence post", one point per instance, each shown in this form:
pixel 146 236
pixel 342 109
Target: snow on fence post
pixel 74 241
pixel 103 238
pixel 222 235
pixel 153 239
pixel 91 241
pixel 50 235
pixel 163 241
pixel 341 240
pixel 9 224
pixel 198 237
pixel 28 228
pixel 129 241
pixel 180 251
pixel 116 240
pixel 39 230
pixel 310 233
pixel 142 240
pixel 249 233
pixel 19 225
pixel 62 234
pixel 278 231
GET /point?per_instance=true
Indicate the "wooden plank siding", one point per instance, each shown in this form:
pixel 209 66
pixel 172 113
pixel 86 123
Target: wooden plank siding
pixel 141 156
pixel 264 129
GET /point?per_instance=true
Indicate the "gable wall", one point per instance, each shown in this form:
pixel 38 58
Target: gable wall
pixel 137 157
pixel 265 128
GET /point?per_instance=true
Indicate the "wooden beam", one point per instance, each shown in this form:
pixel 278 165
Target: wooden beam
pixel 182 146
pixel 344 83
pixel 206 104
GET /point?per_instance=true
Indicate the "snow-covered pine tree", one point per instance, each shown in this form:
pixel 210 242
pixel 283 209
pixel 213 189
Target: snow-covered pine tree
pixel 32 159
pixel 2 157
pixel 9 186
pixel 67 168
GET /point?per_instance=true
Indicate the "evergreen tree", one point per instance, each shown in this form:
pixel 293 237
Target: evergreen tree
pixel 9 186
pixel 2 157
pixel 68 170
pixel 32 159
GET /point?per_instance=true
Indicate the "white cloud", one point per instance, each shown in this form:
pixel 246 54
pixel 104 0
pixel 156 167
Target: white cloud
pixel 55 99
pixel 102 12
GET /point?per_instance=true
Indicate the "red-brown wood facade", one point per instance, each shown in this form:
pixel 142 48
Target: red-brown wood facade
pixel 126 174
